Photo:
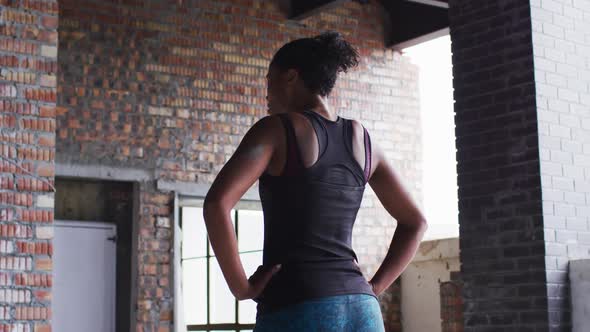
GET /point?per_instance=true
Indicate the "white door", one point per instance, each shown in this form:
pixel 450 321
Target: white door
pixel 84 261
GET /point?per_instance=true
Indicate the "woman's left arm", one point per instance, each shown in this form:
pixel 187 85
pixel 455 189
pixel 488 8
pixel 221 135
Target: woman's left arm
pixel 238 174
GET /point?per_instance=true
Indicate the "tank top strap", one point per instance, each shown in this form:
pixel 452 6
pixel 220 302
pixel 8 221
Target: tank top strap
pixel 293 162
pixel 347 136
pixel 368 154
pixel 348 139
pixel 320 131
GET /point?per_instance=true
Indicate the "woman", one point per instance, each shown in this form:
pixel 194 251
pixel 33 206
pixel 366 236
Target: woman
pixel 312 167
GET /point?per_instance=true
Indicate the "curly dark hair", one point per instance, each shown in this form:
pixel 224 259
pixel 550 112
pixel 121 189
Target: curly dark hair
pixel 318 60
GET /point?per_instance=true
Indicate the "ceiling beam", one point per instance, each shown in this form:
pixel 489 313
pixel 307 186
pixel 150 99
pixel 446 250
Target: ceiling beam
pixel 413 22
pixel 434 3
pixel 302 9
pixel 421 39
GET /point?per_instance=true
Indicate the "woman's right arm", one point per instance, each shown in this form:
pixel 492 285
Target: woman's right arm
pixel 411 224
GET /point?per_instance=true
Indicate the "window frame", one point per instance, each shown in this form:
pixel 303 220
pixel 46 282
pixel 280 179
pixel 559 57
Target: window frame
pixel 188 200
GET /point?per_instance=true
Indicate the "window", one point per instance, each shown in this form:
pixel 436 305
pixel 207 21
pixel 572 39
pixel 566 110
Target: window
pixel 207 303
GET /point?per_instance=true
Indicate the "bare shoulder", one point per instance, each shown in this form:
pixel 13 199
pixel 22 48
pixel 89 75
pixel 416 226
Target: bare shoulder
pixel 267 123
pixel 256 149
pixel 357 130
pixel 266 129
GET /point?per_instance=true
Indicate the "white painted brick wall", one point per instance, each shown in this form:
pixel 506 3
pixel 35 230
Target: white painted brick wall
pixel 561 39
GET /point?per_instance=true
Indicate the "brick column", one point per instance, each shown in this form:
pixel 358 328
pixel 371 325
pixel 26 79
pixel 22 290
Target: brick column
pixel 28 61
pixel 500 212
pixel 521 83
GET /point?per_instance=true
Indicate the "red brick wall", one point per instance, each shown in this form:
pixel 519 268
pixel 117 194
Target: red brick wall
pixel 391 307
pixel 451 304
pixel 154 306
pixel 172 89
pixel 28 62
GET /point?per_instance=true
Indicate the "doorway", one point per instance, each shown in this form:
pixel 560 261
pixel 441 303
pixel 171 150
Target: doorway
pixel 89 211
pixel 84 280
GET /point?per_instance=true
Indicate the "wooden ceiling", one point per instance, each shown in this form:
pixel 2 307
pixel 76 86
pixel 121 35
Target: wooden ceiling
pixel 410 21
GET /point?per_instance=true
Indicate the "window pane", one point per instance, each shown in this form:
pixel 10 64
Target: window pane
pixel 251 261
pixel 194 233
pixel 247 308
pixel 194 290
pixel 247 312
pixel 233 222
pixel 250 230
pixel 222 302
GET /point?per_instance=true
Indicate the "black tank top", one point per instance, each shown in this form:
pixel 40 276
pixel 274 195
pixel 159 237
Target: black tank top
pixel 308 217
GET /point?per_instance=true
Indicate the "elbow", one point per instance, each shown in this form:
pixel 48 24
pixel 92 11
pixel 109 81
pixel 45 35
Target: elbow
pixel 418 226
pixel 208 201
pixel 213 205
pixel 210 205
pixel 239 296
pixel 422 226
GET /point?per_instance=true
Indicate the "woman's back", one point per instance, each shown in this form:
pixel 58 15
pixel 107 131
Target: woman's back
pixel 310 206
pixel 312 173
pixel 306 126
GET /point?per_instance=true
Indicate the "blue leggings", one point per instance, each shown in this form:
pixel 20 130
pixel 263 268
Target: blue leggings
pixel 339 313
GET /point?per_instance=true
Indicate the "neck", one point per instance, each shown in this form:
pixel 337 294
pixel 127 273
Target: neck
pixel 317 104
